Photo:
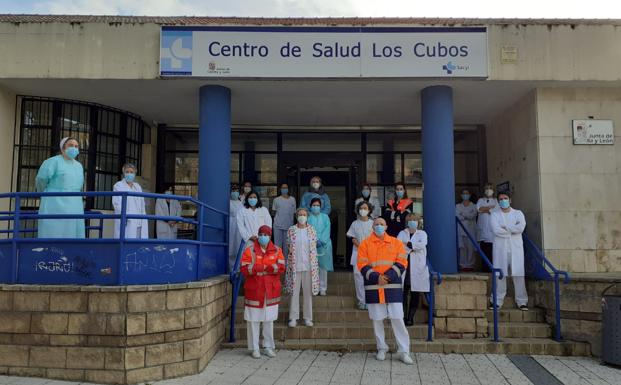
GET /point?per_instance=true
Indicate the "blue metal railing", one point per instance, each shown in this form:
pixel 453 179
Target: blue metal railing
pixel 496 274
pixel 194 249
pixel 536 258
pixel 431 297
pixel 236 280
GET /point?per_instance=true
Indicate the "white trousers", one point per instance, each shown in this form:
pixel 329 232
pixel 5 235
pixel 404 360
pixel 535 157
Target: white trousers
pixel 398 329
pixel 519 286
pixel 280 239
pixel 466 253
pixel 253 329
pixel 303 281
pixel 359 284
pixel 323 279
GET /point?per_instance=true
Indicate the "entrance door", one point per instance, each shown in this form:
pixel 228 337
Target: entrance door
pixel 340 174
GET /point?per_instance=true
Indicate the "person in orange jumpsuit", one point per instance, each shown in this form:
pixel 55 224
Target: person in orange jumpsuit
pixel 382 262
pixel 262 264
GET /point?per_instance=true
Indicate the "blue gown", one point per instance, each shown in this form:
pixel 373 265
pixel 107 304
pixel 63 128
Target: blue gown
pixel 308 196
pixel 58 174
pixel 321 224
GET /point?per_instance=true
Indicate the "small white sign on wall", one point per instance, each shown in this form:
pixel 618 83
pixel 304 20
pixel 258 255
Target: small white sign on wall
pixel 593 131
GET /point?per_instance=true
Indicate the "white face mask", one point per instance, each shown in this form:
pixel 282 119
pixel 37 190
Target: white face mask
pixel 363 212
pixel 489 192
pixel 302 219
pixel 316 185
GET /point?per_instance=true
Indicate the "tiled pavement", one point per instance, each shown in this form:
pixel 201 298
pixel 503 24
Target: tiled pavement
pixel 316 367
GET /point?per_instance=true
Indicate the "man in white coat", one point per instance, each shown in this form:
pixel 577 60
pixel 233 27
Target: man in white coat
pixel 134 228
pixel 167 208
pixel 507 226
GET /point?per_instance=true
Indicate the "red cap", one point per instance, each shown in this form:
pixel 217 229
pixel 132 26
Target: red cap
pixel 265 229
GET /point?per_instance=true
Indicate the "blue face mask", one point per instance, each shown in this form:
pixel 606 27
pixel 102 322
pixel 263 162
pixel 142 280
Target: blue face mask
pixel 400 193
pixel 379 230
pixel 366 193
pixel 130 176
pixel 315 209
pixel 504 203
pixel 264 240
pixel 168 192
pixel 72 152
pixel 235 195
pixel 252 202
pixel 413 224
pixel 465 197
pixel 284 191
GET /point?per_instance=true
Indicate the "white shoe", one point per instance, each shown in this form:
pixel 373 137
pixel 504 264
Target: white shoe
pixel 293 323
pixel 406 359
pixel 308 322
pixel 256 354
pixel 322 293
pixel 270 353
pixel 381 355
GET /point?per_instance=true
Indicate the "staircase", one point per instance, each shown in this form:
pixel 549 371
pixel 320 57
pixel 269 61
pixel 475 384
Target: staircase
pixel 340 326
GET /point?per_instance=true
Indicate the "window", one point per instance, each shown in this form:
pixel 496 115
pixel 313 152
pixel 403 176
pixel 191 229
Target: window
pixel 108 138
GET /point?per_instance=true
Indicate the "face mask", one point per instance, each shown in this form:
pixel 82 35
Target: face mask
pixel 284 191
pixel 302 219
pixel 252 202
pixel 363 212
pixel 400 193
pixel 316 185
pixel 504 203
pixel 315 209
pixel 168 192
pixel 465 197
pixel 366 193
pixel 130 176
pixel 264 240
pixel 235 195
pixel 72 152
pixel 247 189
pixel 413 224
pixel 489 192
pixel 379 230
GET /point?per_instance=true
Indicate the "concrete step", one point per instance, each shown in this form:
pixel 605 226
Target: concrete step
pixel 332 315
pixel 330 330
pixel 521 330
pixel 328 301
pixel 464 346
pixel 517 315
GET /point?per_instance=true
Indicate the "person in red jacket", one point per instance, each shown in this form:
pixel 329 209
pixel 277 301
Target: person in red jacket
pixel 262 264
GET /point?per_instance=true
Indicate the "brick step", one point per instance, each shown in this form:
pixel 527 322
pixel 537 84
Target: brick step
pixel 332 315
pixel 517 315
pixel 328 301
pixel 482 345
pixel 521 330
pixel 330 330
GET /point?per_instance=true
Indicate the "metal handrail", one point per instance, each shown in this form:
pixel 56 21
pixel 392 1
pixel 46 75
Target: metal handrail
pixel 431 299
pixel 557 287
pixel 496 274
pixel 236 279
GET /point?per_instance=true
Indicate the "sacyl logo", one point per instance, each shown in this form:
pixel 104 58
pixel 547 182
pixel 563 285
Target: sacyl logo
pixel 176 53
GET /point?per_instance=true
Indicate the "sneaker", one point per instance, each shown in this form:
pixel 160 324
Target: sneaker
pixel 406 359
pixel 308 322
pixel 322 293
pixel 361 306
pixel 366 307
pixel 293 323
pixel 381 355
pixel 523 308
pixel 491 306
pixel 270 353
pixel 256 354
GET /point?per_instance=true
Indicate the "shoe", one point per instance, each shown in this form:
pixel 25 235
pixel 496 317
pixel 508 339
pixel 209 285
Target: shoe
pixel 308 322
pixel 523 308
pixel 381 355
pixel 361 305
pixel 256 354
pixel 408 321
pixel 366 307
pixel 406 359
pixel 293 323
pixel 270 353
pixel 322 293
pixel 491 306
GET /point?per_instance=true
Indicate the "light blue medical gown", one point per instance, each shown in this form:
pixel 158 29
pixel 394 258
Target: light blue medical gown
pixel 321 223
pixel 58 174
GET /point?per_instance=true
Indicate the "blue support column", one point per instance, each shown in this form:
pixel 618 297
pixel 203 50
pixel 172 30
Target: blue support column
pixel 214 166
pixel 439 177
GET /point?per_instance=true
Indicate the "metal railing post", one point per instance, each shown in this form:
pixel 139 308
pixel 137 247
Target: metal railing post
pixel 557 306
pixel 122 225
pixel 495 305
pixel 235 276
pixel 16 235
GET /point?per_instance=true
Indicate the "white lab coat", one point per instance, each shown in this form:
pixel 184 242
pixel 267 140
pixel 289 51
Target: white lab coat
pixel 135 206
pixel 419 273
pixel 166 209
pixel 508 246
pixel 249 221
pixel 483 223
pixel 377 208
pixel 234 237
pixel 467 215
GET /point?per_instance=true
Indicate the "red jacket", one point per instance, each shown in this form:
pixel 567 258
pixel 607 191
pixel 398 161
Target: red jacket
pixel 262 274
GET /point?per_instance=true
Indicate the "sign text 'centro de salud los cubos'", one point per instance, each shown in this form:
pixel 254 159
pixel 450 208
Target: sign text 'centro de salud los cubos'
pixel 323 52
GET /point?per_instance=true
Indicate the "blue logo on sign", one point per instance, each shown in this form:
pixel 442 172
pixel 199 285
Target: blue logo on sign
pixel 449 68
pixel 176 53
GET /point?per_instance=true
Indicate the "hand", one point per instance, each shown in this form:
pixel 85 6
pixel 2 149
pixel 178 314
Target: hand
pixel 382 280
pixel 409 245
pixel 253 238
pixel 355 242
pixel 504 228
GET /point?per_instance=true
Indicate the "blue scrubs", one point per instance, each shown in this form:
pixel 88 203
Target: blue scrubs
pixel 58 174
pixel 321 224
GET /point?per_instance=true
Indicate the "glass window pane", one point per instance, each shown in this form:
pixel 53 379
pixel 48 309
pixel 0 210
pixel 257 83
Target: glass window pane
pixel 266 168
pixel 466 140
pixel 374 168
pixel 413 168
pixel 466 169
pixel 402 141
pixel 323 141
pixel 253 141
pixel 186 168
pixel 235 168
pixel 384 168
pixel 181 140
pixel 37 112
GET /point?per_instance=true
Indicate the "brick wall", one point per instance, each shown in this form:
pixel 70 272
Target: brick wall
pixel 461 301
pixel 124 335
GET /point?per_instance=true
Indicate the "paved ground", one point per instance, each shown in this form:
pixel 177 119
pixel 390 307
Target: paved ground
pixel 315 367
